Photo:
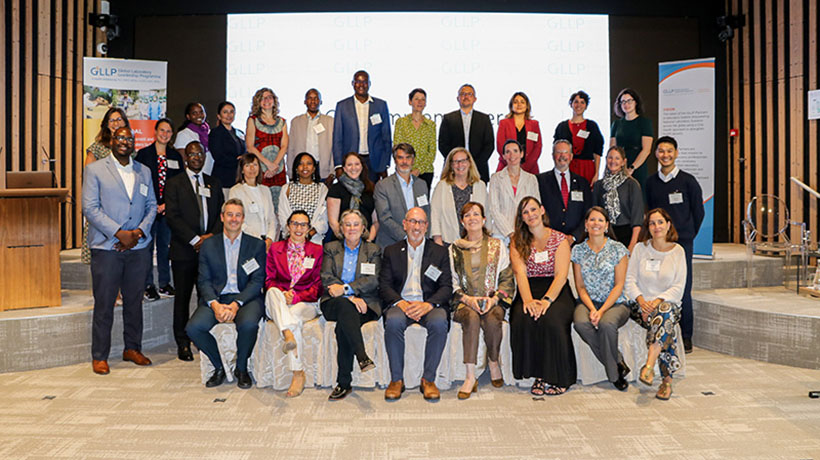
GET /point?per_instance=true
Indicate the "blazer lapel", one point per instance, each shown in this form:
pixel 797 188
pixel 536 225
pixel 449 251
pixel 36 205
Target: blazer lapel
pixel 402 265
pixel 223 273
pixel 400 194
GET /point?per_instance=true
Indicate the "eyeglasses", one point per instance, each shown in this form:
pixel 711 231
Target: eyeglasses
pixel 627 101
pixel 461 162
pixel 415 222
pixel 299 224
pixel 352 224
pixel 114 120
pixel 466 94
pixel 124 139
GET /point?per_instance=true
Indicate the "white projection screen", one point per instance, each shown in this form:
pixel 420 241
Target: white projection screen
pixel 547 56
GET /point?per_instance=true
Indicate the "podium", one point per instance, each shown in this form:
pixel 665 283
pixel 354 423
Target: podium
pixel 30 247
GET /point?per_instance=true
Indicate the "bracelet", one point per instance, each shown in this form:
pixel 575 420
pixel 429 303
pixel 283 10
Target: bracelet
pixel 548 299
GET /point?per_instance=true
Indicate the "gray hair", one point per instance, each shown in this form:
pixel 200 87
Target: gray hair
pixel 562 141
pixel 235 202
pixel 355 212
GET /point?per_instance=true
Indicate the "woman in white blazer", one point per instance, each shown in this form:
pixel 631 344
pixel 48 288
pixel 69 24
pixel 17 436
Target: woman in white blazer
pixel 305 192
pixel 260 218
pixel 460 183
pixel 507 188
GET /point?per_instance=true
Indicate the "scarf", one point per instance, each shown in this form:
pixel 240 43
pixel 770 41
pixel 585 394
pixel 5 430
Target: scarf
pixel 201 131
pixel 467 245
pixel 355 187
pixel 611 183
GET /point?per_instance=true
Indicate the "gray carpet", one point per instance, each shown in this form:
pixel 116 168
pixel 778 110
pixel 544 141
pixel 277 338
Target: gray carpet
pixel 725 408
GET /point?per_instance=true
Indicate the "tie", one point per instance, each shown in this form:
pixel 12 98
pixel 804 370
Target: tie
pixel 199 203
pixel 564 189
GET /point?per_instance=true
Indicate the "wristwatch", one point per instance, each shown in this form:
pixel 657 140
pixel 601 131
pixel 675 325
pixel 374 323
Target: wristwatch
pixel 548 299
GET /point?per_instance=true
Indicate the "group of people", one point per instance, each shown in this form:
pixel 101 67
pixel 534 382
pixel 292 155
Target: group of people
pixel 292 225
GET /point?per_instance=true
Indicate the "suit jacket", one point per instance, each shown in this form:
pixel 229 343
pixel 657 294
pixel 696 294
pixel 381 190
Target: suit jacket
pixel 364 286
pixel 213 269
pixel 226 150
pixel 183 215
pixel 148 156
pixel 569 219
pixel 346 133
pixel 506 131
pixel 309 286
pixel 391 208
pixel 297 142
pixel 107 207
pixel 393 274
pixel 451 135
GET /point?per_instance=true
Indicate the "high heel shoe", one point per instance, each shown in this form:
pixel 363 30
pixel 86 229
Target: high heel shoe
pixel 466 395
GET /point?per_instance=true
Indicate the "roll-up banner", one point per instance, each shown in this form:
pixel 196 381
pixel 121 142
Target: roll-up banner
pixel 686 111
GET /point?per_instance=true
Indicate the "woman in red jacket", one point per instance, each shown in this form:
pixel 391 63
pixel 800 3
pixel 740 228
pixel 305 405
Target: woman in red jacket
pixel 520 127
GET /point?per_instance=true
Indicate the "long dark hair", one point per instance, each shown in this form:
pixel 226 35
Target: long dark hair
pixel 365 174
pixel 671 234
pixel 297 160
pixel 619 112
pixel 467 206
pixel 105 134
pixel 522 237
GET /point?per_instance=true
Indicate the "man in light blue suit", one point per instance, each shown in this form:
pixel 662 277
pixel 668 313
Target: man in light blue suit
pixel 120 206
pixel 361 124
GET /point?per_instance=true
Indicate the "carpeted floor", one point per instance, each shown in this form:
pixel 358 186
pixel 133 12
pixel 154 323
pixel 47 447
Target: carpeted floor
pixel 725 408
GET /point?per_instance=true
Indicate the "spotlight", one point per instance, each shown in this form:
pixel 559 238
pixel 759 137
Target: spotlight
pixel 728 24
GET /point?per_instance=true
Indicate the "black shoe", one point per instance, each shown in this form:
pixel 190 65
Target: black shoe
pixel 243 379
pixel 217 378
pixel 151 293
pixel 184 353
pixel 623 370
pixel 621 384
pixel 367 365
pixel 167 291
pixel 339 393
pixel 687 345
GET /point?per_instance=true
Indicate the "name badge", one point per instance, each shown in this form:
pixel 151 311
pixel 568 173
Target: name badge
pixel 653 265
pixel 375 119
pixel 205 191
pixel 676 198
pixel 577 195
pixel 541 257
pixel 583 134
pixel 172 164
pixel 143 190
pixel 368 269
pixel 422 200
pixel 318 129
pixel 432 272
pixel 531 136
pixel 308 263
pixel 250 266
pixel 253 207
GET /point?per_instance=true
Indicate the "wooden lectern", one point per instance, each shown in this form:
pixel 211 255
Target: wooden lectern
pixel 30 247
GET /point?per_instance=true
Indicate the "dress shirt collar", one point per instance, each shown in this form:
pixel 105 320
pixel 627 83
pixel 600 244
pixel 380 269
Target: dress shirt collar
pixel 368 101
pixel 191 175
pixel 417 251
pixel 347 248
pixel 318 114
pixel 228 241
pixel 128 168
pixel 558 176
pixel 673 174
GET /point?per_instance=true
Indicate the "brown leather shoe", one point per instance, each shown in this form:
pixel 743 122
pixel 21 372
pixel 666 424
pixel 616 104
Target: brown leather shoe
pixel 429 390
pixel 100 366
pixel 136 357
pixel 394 390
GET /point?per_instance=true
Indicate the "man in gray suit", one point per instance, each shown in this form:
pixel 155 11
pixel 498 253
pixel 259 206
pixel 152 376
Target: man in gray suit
pixel 120 206
pixel 397 194
pixel 312 132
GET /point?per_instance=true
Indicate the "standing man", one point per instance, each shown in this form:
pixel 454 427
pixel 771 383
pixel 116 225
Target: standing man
pixel 312 132
pixel 678 193
pixel 192 204
pixel 566 196
pixel 470 129
pixel 231 278
pixel 362 125
pixel 416 287
pixel 398 193
pixel 119 204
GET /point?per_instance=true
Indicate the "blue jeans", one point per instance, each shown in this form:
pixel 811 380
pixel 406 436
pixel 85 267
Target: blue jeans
pixel 161 238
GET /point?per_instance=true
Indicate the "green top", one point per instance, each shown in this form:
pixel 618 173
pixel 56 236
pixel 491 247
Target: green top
pixel 422 139
pixel 628 134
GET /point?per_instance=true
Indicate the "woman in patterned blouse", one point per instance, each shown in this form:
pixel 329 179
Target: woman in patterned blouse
pixel 266 137
pixel 420 132
pixel 599 265
pixel 306 193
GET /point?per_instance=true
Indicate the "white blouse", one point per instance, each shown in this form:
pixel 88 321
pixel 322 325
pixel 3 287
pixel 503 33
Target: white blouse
pixel 443 217
pixel 503 202
pixel 260 218
pixel 656 275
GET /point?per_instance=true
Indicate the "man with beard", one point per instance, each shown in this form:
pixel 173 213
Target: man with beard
pixel 396 194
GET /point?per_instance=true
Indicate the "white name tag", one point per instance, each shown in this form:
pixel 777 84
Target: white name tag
pixel 676 198
pixel 172 164
pixel 531 136
pixel 253 207
pixel 375 119
pixel 541 257
pixel 206 192
pixel 583 134
pixel 422 200
pixel 368 269
pixel 577 195
pixel 250 266
pixel 308 263
pixel 318 129
pixel 432 272
pixel 143 190
pixel 653 265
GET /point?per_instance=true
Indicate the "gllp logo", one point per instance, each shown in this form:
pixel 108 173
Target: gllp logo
pixel 103 72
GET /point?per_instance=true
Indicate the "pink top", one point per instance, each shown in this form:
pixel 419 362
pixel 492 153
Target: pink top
pixel 547 267
pixel 308 287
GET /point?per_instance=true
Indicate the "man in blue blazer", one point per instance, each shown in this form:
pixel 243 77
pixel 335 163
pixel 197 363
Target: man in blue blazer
pixel 565 196
pixel 361 124
pixel 231 278
pixel 119 204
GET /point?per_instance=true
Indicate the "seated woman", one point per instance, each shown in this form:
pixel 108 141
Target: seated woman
pixel 621 196
pixel 260 219
pixel 306 193
pixel 353 190
pixel 482 288
pixel 655 279
pixel 459 184
pixel 507 188
pixel 599 265
pixel 293 286
pixel 542 311
pixel 350 276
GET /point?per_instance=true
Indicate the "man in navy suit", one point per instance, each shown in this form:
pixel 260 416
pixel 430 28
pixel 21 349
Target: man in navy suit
pixel 119 204
pixel 361 124
pixel 565 196
pixel 470 129
pixel 231 278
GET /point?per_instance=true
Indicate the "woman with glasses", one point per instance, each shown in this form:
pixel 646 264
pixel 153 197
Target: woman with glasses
pixel 459 184
pixel 633 132
pixel 266 137
pixel 587 140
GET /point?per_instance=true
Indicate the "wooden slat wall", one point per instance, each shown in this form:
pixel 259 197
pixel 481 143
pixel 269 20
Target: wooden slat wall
pixel 772 63
pixel 41 102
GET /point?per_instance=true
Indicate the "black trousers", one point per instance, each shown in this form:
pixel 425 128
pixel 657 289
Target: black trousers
pixel 348 334
pixel 186 273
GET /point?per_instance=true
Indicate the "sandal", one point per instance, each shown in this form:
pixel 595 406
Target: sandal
pixel 538 387
pixel 555 390
pixel 647 375
pixel 664 391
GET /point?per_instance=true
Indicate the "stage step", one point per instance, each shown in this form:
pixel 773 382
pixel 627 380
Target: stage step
pixel 728 269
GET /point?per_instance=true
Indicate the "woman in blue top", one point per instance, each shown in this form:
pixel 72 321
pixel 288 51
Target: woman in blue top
pixel 599 265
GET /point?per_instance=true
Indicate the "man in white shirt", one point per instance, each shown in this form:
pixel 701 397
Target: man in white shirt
pixel 312 132
pixel 470 129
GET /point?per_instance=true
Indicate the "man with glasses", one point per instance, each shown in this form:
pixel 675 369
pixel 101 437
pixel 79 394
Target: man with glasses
pixel 396 194
pixel 566 196
pixel 120 206
pixel 415 287
pixel 470 129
